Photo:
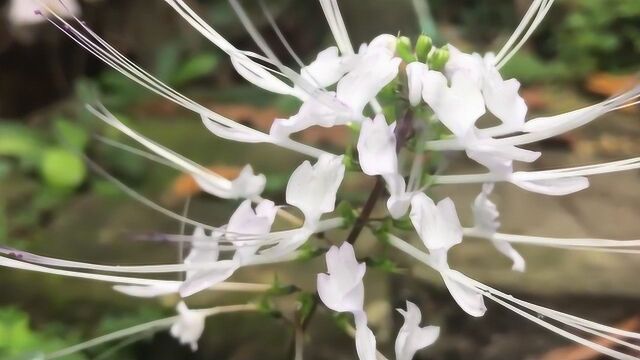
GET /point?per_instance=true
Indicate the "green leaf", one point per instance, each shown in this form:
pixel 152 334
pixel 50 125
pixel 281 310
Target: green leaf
pixel 62 168
pixel 70 134
pixel 196 67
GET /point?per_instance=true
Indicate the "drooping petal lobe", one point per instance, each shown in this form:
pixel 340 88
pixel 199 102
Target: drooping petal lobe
pixel 377 147
pixel 411 337
pixel 189 327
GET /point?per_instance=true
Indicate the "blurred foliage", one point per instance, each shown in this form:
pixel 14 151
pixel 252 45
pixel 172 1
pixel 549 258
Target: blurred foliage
pixel 597 35
pixel 19 341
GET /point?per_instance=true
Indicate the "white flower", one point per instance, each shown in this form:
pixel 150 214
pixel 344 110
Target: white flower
pixel 375 68
pixel 342 289
pixel 437 225
pixel 411 336
pixel 247 221
pixel 189 327
pixel 485 214
pixel 377 147
pixel 327 68
pixel 25 13
pixel 501 96
pixel 312 189
pixel 365 74
pixel 439 228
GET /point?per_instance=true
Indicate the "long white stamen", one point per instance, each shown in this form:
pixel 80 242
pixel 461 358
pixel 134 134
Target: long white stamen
pixel 119 62
pixel 521 27
pixel 551 241
pixel 542 12
pixel 134 269
pixel 337 26
pixel 152 326
pixel 497 296
pixel 225 286
pixel 520 176
pixel 144 200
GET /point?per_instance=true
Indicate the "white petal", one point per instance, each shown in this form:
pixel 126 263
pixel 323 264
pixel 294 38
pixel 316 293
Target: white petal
pixel 23 13
pixel 247 184
pixel 437 225
pixel 147 291
pixel 235 134
pixel 326 69
pixel 189 327
pixel 202 280
pixel 411 336
pixel 384 41
pixel 377 147
pixel 505 248
pixel 415 76
pixel 553 187
pixel 342 289
pixel 469 299
pixel 365 339
pixel 399 200
pixel 485 212
pixel 468 65
pixel 503 100
pixel 313 189
pixel 549 122
pixel 458 107
pixel 361 85
pixel 313 112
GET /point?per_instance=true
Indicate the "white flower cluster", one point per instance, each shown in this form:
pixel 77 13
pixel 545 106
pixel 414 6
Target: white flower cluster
pixel 433 87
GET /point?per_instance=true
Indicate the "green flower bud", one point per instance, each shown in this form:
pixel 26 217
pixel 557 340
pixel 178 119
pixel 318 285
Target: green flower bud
pixel 438 59
pixel 423 47
pixel 404 49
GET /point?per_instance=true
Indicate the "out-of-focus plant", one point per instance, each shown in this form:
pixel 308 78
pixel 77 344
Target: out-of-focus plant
pixel 19 341
pixel 597 35
pixel 407 102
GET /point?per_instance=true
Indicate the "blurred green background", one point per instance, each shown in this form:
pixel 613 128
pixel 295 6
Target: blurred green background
pixel 51 203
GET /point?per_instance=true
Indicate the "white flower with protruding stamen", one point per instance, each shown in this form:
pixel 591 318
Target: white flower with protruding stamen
pixel 439 228
pixel 411 337
pixel 189 327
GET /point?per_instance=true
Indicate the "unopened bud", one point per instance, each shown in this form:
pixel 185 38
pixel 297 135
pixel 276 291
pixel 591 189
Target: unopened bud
pixel 438 59
pixel 404 49
pixel 423 47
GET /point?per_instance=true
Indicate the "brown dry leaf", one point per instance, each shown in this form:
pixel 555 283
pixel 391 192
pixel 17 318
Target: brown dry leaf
pixel 581 352
pixel 535 97
pixel 185 186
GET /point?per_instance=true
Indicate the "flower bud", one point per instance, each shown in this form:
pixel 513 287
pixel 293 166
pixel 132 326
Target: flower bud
pixel 404 49
pixel 424 44
pixel 438 59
